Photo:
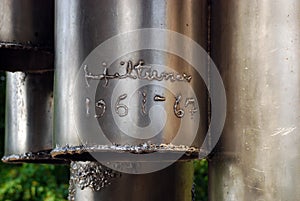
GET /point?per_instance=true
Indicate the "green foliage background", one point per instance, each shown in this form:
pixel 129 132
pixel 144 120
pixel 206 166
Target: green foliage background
pixel 36 182
pixel 201 180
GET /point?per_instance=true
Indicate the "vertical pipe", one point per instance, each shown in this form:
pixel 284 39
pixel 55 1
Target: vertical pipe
pixel 26 35
pixel 91 181
pixel 83 25
pixel 29 116
pixel 256 46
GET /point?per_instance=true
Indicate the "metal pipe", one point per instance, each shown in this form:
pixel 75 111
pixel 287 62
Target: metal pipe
pixel 29 116
pixel 92 181
pixel 256 46
pixel 83 25
pixel 26 35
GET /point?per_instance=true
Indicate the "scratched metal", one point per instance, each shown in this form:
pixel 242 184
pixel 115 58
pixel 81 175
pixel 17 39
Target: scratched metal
pixel 256 46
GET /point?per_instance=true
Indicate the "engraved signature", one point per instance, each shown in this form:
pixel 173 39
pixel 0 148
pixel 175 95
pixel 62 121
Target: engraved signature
pixel 137 71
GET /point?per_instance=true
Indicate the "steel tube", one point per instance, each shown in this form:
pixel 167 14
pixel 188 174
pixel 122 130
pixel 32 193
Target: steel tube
pixel 26 35
pixel 256 46
pixel 173 183
pixel 29 116
pixel 83 25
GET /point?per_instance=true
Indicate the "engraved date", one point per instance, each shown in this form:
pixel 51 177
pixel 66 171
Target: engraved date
pixel 122 110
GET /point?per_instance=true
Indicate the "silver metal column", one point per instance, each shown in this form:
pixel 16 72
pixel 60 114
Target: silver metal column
pixel 90 181
pixel 83 25
pixel 256 46
pixel 26 35
pixel 29 117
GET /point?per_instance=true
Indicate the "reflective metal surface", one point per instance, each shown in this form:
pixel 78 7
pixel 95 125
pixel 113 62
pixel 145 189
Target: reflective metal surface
pixel 83 25
pixel 26 35
pixel 29 117
pixel 256 46
pixel 173 183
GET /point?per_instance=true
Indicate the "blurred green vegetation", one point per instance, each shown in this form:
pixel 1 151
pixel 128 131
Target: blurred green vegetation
pixel 36 182
pixel 201 180
pixel 33 182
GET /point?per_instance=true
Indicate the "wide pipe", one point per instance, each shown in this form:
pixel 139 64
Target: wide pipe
pixel 173 183
pixel 256 46
pixel 83 25
pixel 26 35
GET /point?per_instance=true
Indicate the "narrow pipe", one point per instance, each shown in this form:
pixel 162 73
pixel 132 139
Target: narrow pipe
pixel 29 118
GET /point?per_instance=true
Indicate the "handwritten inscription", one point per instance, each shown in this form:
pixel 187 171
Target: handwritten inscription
pixel 102 106
pixel 191 101
pixel 144 100
pixel 87 106
pixel 159 98
pixel 122 109
pixel 137 71
pixel 177 110
pixel 188 101
pixel 142 72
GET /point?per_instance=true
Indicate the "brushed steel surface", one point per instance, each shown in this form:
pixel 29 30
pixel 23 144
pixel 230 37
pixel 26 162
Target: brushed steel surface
pixel 173 184
pixel 82 25
pixel 26 35
pixel 29 116
pixel 256 46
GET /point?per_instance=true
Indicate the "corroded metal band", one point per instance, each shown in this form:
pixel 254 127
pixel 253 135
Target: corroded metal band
pixel 92 175
pixel 26 59
pixel 39 157
pixel 82 152
pixel 27 46
pixel 91 181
